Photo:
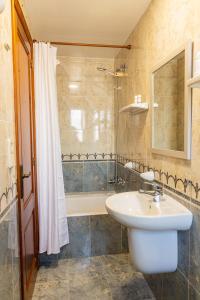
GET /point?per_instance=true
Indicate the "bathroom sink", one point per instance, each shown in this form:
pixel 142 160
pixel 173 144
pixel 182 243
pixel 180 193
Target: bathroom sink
pixel 152 229
pixel 133 209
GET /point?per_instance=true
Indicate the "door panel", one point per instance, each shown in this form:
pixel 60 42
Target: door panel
pixel 25 105
pixel 25 140
pixel 29 247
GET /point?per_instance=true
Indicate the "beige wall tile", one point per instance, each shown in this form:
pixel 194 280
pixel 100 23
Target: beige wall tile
pixel 86 105
pixel 165 26
pixel 7 176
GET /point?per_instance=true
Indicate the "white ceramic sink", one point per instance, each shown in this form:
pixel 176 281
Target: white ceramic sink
pixel 133 209
pixel 152 229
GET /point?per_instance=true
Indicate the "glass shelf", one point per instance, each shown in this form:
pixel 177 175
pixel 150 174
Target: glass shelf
pixel 194 82
pixel 135 108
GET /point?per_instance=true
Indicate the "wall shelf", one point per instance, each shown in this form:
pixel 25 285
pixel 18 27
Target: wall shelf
pixel 194 82
pixel 135 108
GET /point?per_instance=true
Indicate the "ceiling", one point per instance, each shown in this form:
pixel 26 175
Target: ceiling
pixel 87 21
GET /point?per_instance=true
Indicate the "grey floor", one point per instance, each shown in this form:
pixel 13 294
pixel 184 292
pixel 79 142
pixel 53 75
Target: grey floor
pixel 94 278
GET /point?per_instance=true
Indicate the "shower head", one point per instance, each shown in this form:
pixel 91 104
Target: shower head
pixel 101 69
pixel 105 70
pixel 118 73
pixel 121 71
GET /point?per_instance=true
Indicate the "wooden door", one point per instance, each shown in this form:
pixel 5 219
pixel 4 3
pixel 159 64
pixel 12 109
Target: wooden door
pixel 26 160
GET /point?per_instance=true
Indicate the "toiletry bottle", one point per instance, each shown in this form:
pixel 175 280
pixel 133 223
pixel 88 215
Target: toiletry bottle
pixel 139 98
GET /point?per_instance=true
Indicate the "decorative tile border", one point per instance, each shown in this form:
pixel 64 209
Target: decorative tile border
pixel 186 183
pixel 164 177
pixel 8 207
pixel 88 156
pixel 8 196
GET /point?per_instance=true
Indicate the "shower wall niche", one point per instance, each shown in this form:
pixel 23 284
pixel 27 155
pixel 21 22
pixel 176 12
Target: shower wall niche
pixel 86 117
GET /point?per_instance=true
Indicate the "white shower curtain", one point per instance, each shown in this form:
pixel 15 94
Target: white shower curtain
pixel 53 232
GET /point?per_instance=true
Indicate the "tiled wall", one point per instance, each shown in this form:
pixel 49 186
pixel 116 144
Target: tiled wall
pixel 88 175
pixel 86 105
pixel 98 234
pixel 131 180
pixel 94 235
pixel 184 283
pixel 9 256
pixel 165 26
pixel 7 137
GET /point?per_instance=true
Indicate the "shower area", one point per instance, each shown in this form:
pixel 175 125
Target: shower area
pixel 85 88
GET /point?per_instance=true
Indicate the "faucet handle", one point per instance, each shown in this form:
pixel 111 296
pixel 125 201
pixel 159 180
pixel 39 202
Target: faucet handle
pixel 158 188
pixel 147 186
pixel 154 185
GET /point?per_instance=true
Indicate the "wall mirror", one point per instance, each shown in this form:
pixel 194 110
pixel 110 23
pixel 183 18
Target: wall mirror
pixel 171 105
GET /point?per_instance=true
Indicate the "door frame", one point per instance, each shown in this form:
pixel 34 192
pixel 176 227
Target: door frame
pixel 18 13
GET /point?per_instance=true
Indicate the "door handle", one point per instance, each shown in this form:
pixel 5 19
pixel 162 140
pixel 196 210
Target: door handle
pixel 26 175
pixel 22 177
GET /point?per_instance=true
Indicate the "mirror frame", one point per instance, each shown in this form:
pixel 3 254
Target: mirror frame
pixel 186 153
pixel 2 5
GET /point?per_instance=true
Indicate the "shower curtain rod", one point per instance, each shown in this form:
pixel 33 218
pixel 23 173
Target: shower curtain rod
pixel 88 45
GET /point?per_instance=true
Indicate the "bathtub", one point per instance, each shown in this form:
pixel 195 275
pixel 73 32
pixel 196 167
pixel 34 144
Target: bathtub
pixel 86 204
pixel 92 231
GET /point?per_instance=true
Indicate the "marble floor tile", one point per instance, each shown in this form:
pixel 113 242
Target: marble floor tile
pixel 48 274
pixel 123 274
pixel 82 264
pixel 116 260
pixel 88 285
pixel 51 290
pixel 103 295
pixel 128 293
pixel 109 277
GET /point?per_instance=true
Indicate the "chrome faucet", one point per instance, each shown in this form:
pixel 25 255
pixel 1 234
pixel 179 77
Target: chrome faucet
pixel 118 180
pixel 156 192
pixel 121 181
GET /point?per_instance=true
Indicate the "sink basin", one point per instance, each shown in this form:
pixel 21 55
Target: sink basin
pixel 152 229
pixel 137 210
